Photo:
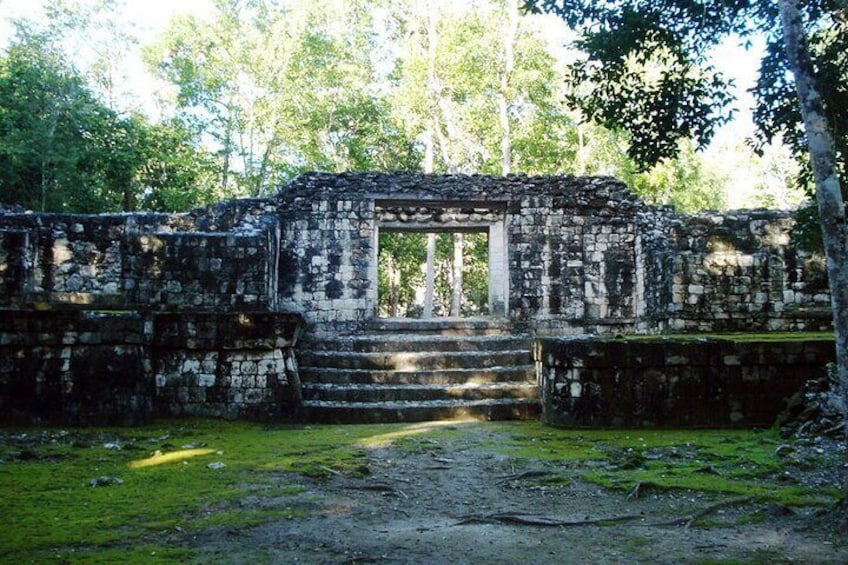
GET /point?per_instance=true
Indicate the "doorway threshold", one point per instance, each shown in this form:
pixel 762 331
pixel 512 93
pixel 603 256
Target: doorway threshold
pixel 479 325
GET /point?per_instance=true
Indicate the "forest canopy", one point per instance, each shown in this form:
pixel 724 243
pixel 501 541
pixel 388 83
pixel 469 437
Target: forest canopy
pixel 257 92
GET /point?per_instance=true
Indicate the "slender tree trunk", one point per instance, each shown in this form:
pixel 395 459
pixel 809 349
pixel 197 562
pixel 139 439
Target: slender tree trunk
pixel 581 151
pixel 44 182
pixel 456 291
pixel 47 155
pixel 429 155
pixel 429 146
pixel 432 92
pixel 430 276
pixel 828 192
pixel 503 99
pixel 225 166
pixel 444 145
pixel 394 292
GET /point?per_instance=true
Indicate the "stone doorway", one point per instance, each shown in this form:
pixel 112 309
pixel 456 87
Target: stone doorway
pixel 440 260
pixel 433 274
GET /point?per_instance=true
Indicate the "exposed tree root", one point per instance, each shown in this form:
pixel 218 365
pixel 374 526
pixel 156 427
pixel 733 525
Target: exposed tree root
pixel 548 522
pixel 642 488
pixel 688 521
pixel 542 521
pixel 521 476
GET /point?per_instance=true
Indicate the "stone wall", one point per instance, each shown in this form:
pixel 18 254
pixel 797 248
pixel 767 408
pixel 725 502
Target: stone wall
pixel 139 261
pixel 572 247
pixel 197 272
pixel 124 367
pixel 674 382
pixel 567 255
pixel 739 272
pixel 328 249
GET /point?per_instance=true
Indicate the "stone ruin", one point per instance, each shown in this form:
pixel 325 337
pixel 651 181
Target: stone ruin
pixel 118 317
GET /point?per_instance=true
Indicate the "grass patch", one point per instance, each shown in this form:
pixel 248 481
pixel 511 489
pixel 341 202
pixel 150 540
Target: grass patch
pixel 49 506
pixel 168 488
pixel 103 555
pixel 738 462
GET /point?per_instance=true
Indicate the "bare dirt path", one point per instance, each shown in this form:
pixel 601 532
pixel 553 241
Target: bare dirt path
pixel 459 501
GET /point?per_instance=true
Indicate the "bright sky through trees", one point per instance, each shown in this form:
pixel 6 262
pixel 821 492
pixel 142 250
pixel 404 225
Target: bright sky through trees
pixel 146 18
pixel 137 89
pixel 150 17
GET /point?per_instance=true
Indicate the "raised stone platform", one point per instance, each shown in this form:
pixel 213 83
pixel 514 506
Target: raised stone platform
pixel 685 381
pixel 85 367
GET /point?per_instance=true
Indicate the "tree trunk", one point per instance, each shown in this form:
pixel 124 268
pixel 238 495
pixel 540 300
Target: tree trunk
pixel 430 277
pixel 503 99
pixel 581 151
pixel 432 93
pixel 456 291
pixel 394 287
pixel 828 192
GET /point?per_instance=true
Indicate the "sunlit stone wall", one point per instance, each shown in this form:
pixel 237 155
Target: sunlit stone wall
pixel 739 272
pixel 570 255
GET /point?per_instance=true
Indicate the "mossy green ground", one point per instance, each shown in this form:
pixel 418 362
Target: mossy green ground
pixel 50 509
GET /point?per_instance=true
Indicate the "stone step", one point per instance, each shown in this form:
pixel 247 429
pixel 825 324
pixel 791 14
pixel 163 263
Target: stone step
pixel 443 326
pixel 518 373
pixel 416 393
pixel 414 360
pixel 373 343
pixel 385 412
pixel 415 370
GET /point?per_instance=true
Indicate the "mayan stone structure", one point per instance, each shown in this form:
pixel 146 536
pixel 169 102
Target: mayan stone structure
pixel 566 256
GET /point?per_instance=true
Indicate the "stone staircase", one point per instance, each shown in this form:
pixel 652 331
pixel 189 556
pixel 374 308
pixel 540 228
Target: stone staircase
pixel 408 371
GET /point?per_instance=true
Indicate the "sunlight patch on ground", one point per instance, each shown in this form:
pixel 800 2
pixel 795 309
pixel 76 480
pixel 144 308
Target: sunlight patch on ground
pixel 385 440
pixel 162 458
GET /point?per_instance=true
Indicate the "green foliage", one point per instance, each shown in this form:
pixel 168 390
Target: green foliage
pixel 265 90
pixel 173 173
pixel 401 273
pixel 54 136
pixel 646 71
pixel 645 62
pixel 777 112
pixel 62 150
pixel 282 89
pixel 475 276
pixel 663 183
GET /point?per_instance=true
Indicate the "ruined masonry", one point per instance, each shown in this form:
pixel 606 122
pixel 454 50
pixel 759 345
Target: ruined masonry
pixel 267 308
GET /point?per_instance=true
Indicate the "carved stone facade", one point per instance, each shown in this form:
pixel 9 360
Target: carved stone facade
pixel 567 255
